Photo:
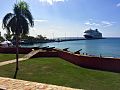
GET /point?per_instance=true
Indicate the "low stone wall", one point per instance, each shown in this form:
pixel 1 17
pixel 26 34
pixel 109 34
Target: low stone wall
pixel 14 84
pixel 108 64
pixel 46 54
pixel 12 50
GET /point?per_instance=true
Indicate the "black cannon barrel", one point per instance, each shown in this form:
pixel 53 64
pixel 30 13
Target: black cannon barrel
pixel 50 48
pixel 65 49
pixel 78 51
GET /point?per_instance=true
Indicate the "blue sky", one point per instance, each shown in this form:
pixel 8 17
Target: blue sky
pixel 59 18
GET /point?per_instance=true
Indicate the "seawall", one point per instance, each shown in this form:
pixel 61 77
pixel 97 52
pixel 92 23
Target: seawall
pixel 107 64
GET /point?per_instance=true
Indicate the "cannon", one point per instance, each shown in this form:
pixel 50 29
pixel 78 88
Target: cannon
pixel 44 48
pixel 50 48
pixel 36 48
pixel 65 49
pixel 78 51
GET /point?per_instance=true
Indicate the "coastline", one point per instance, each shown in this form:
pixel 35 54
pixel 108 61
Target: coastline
pixel 53 40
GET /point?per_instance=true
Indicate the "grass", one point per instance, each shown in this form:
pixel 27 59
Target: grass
pixel 60 72
pixel 5 57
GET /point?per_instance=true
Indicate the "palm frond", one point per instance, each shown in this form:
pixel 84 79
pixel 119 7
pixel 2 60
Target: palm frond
pixel 23 5
pixel 29 17
pixel 8 30
pixel 23 8
pixel 6 20
pixel 16 10
pixel 12 24
pixel 24 25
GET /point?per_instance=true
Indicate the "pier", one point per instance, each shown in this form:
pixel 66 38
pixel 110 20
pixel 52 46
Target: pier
pixel 68 39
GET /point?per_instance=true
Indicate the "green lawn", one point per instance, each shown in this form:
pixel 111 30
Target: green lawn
pixel 5 57
pixel 60 72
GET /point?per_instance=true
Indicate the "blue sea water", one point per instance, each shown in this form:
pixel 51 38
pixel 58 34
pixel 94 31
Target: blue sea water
pixel 109 47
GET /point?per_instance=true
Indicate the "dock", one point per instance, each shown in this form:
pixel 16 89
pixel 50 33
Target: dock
pixel 68 39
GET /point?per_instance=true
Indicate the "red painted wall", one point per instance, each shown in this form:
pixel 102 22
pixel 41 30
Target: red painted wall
pixel 46 54
pixel 13 50
pixel 108 64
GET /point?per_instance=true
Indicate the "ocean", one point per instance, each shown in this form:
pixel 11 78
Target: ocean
pixel 109 47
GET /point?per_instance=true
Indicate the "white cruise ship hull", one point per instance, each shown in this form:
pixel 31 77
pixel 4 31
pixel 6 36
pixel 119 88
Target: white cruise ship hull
pixel 92 34
pixel 91 37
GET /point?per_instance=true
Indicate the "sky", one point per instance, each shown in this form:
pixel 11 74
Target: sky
pixel 69 18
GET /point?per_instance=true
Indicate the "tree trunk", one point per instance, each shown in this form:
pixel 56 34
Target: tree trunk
pixel 17 53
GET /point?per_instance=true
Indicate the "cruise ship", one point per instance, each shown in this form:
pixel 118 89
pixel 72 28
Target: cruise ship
pixel 92 34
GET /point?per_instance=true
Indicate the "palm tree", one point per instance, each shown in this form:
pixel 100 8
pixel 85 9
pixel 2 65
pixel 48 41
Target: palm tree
pixel 18 24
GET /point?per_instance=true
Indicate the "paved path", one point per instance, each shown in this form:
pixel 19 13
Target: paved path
pixel 15 84
pixel 29 55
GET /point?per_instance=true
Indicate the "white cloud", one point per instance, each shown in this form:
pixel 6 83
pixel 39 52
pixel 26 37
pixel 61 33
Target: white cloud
pixel 91 23
pixel 118 5
pixel 40 20
pixel 51 2
pixel 106 23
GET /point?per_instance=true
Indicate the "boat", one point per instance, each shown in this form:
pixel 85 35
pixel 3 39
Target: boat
pixel 92 34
